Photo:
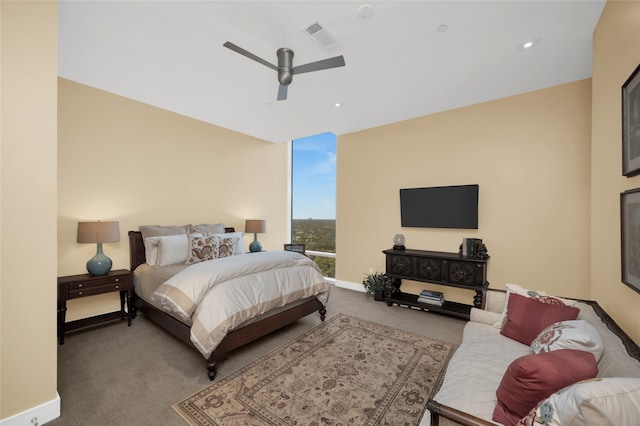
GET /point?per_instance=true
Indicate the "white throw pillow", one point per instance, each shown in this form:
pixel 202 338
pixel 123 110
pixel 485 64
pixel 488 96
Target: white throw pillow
pixel 167 250
pixel 172 250
pixel 151 250
pixel 237 238
pixel 609 401
pixel 572 334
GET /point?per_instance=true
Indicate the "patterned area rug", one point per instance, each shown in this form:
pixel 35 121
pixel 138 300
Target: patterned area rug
pixel 344 371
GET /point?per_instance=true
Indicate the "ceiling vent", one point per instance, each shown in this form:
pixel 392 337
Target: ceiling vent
pixel 322 36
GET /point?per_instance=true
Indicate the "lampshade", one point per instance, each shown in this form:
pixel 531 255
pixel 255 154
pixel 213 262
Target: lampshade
pixel 255 226
pixel 98 232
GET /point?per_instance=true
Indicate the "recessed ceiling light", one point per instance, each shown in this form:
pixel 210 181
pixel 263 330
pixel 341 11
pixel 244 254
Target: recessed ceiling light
pixel 365 11
pixel 529 44
pixel 339 104
pixel 442 28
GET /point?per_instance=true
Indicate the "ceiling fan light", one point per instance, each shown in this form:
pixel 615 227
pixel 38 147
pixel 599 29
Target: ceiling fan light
pixel 285 62
pixel 285 77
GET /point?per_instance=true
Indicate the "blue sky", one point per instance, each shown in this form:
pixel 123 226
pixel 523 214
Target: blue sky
pixel 314 177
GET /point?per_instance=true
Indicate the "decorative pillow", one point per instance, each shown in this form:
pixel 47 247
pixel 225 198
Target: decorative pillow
pixel 532 378
pixel 610 401
pixel 226 246
pixel 207 228
pixel 238 247
pixel 202 248
pixel 540 295
pixel 527 317
pixel 576 334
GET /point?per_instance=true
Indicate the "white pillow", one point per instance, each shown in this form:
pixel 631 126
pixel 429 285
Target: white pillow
pixel 609 401
pixel 237 238
pixel 151 250
pixel 572 334
pixel 167 249
pixel 172 250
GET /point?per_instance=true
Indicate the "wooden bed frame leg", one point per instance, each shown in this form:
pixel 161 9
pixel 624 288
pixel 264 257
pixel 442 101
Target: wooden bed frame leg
pixel 322 312
pixel 212 368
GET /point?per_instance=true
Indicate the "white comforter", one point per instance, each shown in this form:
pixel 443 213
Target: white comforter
pixel 217 295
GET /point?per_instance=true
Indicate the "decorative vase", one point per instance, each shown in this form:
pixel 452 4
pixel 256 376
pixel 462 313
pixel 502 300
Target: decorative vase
pixel 255 245
pixel 99 264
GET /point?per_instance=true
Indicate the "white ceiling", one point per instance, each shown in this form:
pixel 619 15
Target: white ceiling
pixel 398 66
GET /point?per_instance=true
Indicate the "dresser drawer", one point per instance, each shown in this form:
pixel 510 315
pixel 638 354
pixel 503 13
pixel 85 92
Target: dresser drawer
pixel 90 290
pixel 100 282
pixel 92 286
pixel 430 269
pixel 465 273
pixel 400 265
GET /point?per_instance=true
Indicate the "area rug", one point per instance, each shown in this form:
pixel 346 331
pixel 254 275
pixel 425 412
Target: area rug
pixel 344 371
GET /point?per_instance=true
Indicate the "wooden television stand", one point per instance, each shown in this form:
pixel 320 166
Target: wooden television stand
pixel 448 269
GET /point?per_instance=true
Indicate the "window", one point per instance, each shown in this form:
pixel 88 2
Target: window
pixel 313 199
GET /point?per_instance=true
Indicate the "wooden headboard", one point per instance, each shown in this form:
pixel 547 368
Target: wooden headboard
pixel 136 248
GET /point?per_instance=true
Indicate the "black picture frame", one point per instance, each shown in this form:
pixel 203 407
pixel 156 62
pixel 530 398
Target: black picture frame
pixel 630 237
pixel 631 125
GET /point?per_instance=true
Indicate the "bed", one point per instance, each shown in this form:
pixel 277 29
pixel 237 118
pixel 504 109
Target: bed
pixel 249 330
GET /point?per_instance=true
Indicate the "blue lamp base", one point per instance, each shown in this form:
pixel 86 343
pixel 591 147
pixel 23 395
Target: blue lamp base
pixel 255 245
pixel 99 264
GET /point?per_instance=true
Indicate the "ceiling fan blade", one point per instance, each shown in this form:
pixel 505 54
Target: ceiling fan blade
pixel 249 55
pixel 324 64
pixel 282 92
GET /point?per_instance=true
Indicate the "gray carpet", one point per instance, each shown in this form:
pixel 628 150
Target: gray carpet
pixel 119 375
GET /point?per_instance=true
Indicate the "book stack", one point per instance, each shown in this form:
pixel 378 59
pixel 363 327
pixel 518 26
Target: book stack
pixel 431 297
pixel 471 247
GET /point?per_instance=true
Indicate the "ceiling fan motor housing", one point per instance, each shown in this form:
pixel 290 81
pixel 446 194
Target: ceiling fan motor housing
pixel 285 65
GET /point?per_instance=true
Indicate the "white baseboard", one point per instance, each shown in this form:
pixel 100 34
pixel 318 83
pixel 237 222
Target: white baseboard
pixel 35 416
pixel 350 286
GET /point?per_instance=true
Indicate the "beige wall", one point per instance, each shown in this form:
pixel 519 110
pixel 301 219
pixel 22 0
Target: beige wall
pixel 28 346
pixel 615 56
pixel 123 160
pixel 529 153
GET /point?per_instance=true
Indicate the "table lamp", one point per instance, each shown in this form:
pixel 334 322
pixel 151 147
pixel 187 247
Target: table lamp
pixel 98 232
pixel 255 226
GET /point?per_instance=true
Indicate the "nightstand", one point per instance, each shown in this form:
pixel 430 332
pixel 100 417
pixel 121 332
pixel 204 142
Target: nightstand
pixel 84 285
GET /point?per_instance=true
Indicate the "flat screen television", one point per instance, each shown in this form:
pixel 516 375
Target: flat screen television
pixel 440 207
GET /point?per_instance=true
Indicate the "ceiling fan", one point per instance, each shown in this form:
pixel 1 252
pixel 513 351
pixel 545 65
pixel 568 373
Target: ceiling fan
pixel 285 67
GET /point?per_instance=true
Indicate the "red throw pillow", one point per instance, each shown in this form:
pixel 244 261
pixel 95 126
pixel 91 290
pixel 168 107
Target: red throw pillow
pixel 533 378
pixel 527 317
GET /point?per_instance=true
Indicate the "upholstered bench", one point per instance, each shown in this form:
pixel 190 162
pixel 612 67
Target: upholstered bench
pixel 488 363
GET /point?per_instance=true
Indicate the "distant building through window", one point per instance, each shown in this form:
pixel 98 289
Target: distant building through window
pixel 313 198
